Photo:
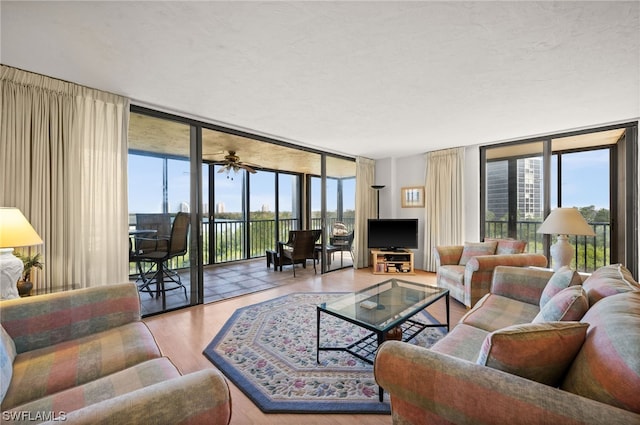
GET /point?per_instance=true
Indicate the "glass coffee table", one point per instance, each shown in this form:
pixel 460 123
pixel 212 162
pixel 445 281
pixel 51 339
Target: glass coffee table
pixel 382 308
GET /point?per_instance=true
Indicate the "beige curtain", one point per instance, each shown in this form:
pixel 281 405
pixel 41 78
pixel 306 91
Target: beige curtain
pixel 444 209
pixel 365 209
pixel 63 161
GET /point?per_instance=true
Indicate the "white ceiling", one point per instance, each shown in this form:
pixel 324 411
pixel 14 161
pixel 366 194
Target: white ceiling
pixel 376 79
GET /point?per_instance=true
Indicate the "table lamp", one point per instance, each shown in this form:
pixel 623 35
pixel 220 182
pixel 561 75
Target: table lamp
pixel 15 231
pixel 564 222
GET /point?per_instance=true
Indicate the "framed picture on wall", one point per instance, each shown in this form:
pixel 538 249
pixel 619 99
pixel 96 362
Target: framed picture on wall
pixel 412 197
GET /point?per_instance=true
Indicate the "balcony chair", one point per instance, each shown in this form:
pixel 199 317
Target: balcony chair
pixel 152 233
pixel 177 245
pixel 341 240
pixel 301 247
pixel 467 270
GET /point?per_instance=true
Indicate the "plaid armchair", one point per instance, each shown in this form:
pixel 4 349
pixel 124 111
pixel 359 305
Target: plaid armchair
pixel 466 270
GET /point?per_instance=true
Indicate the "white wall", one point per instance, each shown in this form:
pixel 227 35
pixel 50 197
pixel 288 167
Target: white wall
pixel 396 173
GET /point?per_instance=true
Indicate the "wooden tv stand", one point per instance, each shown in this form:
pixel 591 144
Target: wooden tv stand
pixel 392 262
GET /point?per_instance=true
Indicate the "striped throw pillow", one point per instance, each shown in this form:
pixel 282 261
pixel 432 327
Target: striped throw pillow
pixel 508 246
pixel 540 352
pixel 562 278
pixel 473 249
pixel 609 280
pixel 7 355
pixel 570 304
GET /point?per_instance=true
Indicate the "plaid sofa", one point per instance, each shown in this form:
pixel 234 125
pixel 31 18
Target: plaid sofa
pixel 85 356
pixel 466 270
pixel 596 362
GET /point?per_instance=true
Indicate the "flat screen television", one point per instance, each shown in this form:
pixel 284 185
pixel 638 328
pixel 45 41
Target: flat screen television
pixel 393 234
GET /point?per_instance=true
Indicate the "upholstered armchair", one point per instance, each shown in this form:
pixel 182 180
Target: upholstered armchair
pixel 466 270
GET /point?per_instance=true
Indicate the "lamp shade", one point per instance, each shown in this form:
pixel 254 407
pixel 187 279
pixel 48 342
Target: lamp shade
pixel 566 221
pixel 15 229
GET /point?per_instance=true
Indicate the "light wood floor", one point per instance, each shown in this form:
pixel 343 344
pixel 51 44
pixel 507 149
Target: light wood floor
pixel 183 334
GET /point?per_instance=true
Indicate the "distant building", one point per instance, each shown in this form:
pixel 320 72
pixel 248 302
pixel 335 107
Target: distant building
pixel 265 208
pixel 528 188
pixel 220 207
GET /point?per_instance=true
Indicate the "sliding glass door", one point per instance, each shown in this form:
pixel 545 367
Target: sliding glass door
pixel 523 181
pixel 159 182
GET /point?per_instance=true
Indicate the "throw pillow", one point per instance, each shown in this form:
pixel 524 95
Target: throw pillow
pixel 541 352
pixel 570 304
pixel 7 355
pixel 473 249
pixel 562 278
pixel 609 280
pixel 508 246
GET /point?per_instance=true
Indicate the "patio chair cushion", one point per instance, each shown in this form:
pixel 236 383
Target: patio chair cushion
pixel 541 352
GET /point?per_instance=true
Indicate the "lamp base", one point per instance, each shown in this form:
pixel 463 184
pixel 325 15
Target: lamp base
pixel 561 252
pixel 11 268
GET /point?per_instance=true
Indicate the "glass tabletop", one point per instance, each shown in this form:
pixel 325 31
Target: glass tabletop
pixel 386 304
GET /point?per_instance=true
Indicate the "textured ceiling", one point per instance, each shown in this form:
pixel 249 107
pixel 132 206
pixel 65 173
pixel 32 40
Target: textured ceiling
pixel 377 79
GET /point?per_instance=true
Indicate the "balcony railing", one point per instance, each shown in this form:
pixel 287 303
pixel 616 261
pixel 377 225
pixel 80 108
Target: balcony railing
pixel 590 252
pixel 232 242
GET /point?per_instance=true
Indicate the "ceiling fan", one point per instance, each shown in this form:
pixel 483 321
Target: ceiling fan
pixel 231 162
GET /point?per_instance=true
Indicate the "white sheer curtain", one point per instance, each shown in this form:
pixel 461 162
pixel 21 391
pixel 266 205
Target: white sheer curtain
pixel 63 160
pixel 365 209
pixel 444 209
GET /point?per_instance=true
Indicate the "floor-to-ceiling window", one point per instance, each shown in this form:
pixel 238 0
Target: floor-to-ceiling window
pixel 523 181
pixel 244 193
pixel 159 187
pixel 337 217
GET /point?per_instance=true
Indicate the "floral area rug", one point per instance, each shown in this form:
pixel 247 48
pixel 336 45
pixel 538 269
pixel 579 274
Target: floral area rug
pixel 268 350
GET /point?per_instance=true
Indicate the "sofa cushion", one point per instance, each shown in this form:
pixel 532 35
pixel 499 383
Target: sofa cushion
pixel 570 304
pixel 37 322
pixel 541 352
pixel 452 273
pixel 607 368
pixel 463 342
pixel 473 249
pixel 123 382
pixel 7 356
pixel 493 312
pixel 508 246
pixel 609 280
pixel 562 278
pixel 48 370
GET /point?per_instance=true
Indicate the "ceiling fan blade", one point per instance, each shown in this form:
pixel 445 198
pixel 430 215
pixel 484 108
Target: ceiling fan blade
pixel 246 167
pixel 213 154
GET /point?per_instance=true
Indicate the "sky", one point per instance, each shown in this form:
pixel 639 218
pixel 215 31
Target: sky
pixel 585 182
pixel 145 188
pixel 585 179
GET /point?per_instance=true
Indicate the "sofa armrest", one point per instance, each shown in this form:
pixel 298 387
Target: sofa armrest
pixel 522 284
pixel 478 273
pixel 434 388
pixel 201 397
pixel 446 255
pixel 44 320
